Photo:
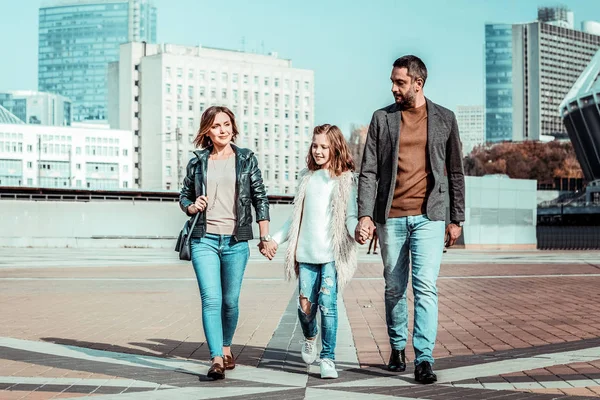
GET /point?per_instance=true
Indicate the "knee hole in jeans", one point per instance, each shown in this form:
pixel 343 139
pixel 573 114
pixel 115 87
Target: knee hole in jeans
pixel 305 304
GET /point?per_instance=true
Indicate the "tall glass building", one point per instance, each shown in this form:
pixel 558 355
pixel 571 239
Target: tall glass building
pixel 77 41
pixel 498 79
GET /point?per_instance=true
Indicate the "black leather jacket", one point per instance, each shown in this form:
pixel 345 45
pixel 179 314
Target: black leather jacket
pixel 250 190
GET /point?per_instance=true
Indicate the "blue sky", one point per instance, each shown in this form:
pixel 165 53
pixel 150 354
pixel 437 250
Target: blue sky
pixel 349 44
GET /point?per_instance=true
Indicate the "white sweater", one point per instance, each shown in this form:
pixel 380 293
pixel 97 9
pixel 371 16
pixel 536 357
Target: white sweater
pixel 314 241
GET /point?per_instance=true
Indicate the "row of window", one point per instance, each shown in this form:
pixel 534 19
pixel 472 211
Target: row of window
pixel 235 78
pixel 61 149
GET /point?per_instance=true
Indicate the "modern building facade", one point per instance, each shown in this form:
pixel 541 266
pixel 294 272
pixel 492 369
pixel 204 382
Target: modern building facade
pixel 529 70
pixel 160 91
pixel 77 40
pixel 63 157
pixel 38 107
pixel 580 111
pixel 471 127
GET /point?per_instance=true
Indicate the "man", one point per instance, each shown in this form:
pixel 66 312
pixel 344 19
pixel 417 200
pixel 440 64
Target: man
pixel 411 145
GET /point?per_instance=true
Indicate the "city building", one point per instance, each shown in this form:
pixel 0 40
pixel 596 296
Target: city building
pixel 38 107
pixel 77 40
pixel 63 157
pixel 160 91
pixel 471 127
pixel 581 115
pixel 529 69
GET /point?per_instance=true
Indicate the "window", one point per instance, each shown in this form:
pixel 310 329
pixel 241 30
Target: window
pixel 29 164
pixel 245 78
pixel 179 89
pixel 224 93
pixel 190 123
pixel 179 122
pixel 179 105
pixel 201 75
pixel 234 78
pixel 168 170
pixel 190 73
pixel 168 88
pixel 179 72
pixel 125 168
pixel 297 85
pixel 168 154
pixel 213 76
pixel 191 92
pixel 168 123
pixel 213 93
pixel 266 81
pixel 306 85
pixel 30 148
pixel 276 82
pixel 256 80
pixel 191 106
pixel 78 166
pixel 168 72
pixel 125 152
pixel 224 76
pixel 202 91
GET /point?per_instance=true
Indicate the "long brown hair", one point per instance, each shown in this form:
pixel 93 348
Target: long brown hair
pixel 340 159
pixel 202 139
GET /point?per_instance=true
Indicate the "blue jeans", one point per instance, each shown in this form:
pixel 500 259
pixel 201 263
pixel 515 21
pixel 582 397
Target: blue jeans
pixel 219 262
pixel 318 283
pixel 424 240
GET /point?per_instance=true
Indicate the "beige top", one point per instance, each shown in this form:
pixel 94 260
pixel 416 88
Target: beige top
pixel 221 215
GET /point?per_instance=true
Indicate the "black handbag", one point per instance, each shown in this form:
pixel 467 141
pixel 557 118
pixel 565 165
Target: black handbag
pixel 184 241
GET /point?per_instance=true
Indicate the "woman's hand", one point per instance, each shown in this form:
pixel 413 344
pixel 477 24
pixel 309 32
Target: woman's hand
pixel 198 206
pixel 201 203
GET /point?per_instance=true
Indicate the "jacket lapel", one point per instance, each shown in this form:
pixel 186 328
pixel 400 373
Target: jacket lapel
pixel 393 122
pixel 434 124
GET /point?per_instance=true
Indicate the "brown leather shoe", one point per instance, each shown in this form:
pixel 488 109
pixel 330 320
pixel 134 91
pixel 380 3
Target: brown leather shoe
pixel 216 371
pixel 229 362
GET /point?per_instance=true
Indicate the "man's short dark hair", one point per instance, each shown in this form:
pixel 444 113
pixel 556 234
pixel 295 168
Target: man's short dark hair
pixel 415 67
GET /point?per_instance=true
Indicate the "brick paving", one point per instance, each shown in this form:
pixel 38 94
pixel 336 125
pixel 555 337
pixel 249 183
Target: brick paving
pixel 122 329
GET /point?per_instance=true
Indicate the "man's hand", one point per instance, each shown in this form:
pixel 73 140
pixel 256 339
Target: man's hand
pixel 268 249
pixel 453 232
pixel 364 230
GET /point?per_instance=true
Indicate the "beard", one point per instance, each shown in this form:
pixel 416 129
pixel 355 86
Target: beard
pixel 407 100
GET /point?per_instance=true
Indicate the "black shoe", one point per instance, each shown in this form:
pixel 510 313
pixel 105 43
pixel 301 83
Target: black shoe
pixel 397 361
pixel 424 374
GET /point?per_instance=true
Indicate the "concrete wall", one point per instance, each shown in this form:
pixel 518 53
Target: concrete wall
pixel 25 223
pixel 500 213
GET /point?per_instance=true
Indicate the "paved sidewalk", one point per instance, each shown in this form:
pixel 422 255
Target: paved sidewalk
pixel 126 324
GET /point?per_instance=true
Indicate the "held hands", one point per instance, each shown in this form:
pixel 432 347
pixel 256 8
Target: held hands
pixel 268 249
pixel 364 230
pixel 199 205
pixel 453 232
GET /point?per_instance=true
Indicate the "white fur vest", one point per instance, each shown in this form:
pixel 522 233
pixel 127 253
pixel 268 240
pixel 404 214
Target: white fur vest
pixel 344 246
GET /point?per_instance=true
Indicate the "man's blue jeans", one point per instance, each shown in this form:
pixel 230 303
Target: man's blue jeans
pixel 219 262
pixel 423 239
pixel 318 283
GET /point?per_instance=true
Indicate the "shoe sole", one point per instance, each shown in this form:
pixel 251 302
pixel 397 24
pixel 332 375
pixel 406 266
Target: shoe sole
pixel 328 377
pixel 215 376
pixel 396 369
pixel 426 381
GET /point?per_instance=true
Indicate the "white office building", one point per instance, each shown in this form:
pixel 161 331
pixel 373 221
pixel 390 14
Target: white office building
pixel 160 91
pixel 471 126
pixel 65 157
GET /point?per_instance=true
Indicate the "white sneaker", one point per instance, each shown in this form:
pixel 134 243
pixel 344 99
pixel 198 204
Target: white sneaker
pixel 328 369
pixel 309 350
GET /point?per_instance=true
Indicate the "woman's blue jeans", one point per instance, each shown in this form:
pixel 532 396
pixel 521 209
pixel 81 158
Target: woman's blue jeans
pixel 219 262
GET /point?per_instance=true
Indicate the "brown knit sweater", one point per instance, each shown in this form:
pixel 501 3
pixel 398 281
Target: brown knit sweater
pixel 413 179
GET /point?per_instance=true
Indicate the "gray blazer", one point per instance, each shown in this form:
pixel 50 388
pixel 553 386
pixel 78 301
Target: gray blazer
pixel 377 178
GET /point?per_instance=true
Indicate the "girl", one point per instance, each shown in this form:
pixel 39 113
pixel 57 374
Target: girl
pixel 221 183
pixel 321 250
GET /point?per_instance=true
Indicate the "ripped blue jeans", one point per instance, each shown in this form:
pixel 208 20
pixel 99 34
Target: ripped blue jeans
pixel 318 283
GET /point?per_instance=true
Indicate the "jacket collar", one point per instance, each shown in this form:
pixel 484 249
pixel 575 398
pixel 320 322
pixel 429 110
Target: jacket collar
pixel 204 153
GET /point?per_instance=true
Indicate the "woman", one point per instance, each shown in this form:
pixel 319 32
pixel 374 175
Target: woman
pixel 221 183
pixel 321 250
